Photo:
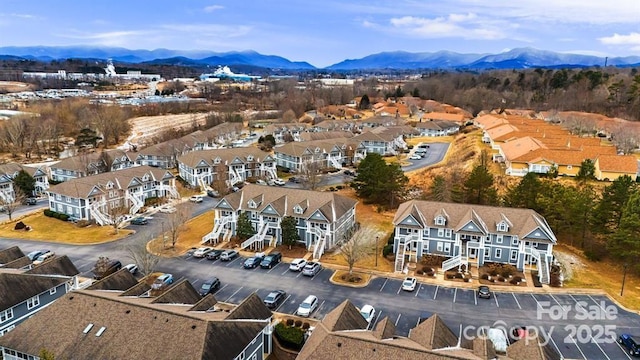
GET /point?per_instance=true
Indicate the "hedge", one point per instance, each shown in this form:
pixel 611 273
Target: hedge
pixel 289 337
pixel 56 215
pixel 386 250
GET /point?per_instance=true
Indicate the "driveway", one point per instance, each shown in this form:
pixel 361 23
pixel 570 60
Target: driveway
pixel 435 154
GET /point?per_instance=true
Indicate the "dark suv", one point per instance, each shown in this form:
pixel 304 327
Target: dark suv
pixel 630 344
pixel 30 201
pixel 253 262
pixel 271 260
pixel 113 266
pixel 273 300
pixel 210 286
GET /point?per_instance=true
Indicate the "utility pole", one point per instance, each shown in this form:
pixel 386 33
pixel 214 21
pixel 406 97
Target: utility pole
pixel 377 237
pixel 624 276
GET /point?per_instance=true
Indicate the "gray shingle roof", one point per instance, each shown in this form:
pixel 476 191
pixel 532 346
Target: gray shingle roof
pixel 9 254
pixel 193 158
pixel 59 265
pixel 16 288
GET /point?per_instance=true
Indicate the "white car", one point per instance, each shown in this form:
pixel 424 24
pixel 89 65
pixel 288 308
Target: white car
pixel 261 182
pixel 196 198
pixel 132 268
pixel 409 284
pixel 168 210
pixel 278 182
pixel 308 306
pixel 368 313
pixel 297 264
pixel 202 252
pixel 415 157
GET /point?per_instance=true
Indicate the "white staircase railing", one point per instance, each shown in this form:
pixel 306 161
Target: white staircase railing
pixel 227 235
pixel 318 233
pixel 457 260
pixel 202 184
pixel 400 253
pixel 171 190
pixel 271 172
pixel 334 162
pixel 542 263
pixel 318 250
pixel 258 238
pixel 41 185
pixel 5 197
pixel 100 217
pixel 218 226
pixel 137 203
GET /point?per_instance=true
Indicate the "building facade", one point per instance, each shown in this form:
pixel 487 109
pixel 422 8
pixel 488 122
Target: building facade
pixel 334 153
pixel 91 164
pixel 468 234
pixel 9 171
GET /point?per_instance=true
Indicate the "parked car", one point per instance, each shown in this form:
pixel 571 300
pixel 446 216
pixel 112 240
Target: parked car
pixel 161 281
pixel 630 344
pixel 274 299
pixel 311 269
pixel 213 193
pixel 202 252
pixel 271 260
pixel 34 254
pixel 30 201
pixel 308 306
pixel 294 179
pixel 43 257
pixel 132 268
pixel 210 286
pixel 261 182
pixel 368 312
pixel 409 284
pixel 271 182
pixel 214 254
pixel 484 292
pixel 168 210
pixel 297 264
pixel 196 198
pixel 191 251
pixel 415 157
pixel 228 255
pixel 253 261
pixel 138 221
pixel 111 267
pixel 278 182
pixel 349 172
pixel 235 189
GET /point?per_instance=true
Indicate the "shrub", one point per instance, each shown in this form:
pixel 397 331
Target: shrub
pixel 507 270
pixel 426 269
pixel 554 280
pixel 19 226
pixel 536 281
pixel 386 250
pixel 289 322
pixel 515 280
pixel 340 187
pixel 305 326
pixel 420 272
pixel 332 189
pixel 298 323
pixel 449 276
pixel 63 217
pixel 484 276
pixel 430 273
pixel 83 223
pixel 152 201
pixel 48 213
pixel 391 239
pixel 289 337
pixel 459 275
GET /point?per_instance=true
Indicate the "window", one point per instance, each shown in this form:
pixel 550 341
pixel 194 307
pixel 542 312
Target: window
pixel 447 233
pixel 6 315
pixel 439 246
pixel 487 254
pixel 33 302
pixel 297 210
pixel 447 247
pixel 503 227
pixel 440 220
pixel 514 255
pixel 535 244
pixel 440 232
pixel 499 239
pixel 498 253
pixel 514 241
pixel 52 291
pixel 252 204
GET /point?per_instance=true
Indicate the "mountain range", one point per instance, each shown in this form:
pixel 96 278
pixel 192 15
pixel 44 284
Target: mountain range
pixel 520 58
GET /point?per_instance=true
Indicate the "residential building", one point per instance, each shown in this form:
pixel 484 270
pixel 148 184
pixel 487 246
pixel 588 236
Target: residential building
pixel 162 155
pixel 104 323
pixel 468 234
pixel 611 167
pixel 280 132
pixel 327 153
pixel 437 128
pixel 92 198
pixel 323 219
pixel 91 164
pixel 326 135
pixel 25 292
pixel 343 333
pixel 9 171
pixel 385 140
pixel 204 167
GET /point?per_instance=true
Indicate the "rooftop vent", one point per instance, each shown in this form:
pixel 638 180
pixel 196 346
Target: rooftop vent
pixel 102 329
pixel 87 329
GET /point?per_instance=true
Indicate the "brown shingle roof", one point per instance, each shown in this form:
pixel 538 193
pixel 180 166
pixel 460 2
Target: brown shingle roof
pixel 16 288
pixel 618 163
pixel 181 293
pixel 384 329
pixel 251 308
pixel 193 158
pixel 345 316
pixel 205 303
pixel 59 265
pixel 18 263
pixel 9 254
pixel 120 280
pixel 433 333
pixel 137 290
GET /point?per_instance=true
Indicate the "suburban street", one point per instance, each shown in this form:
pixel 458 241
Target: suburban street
pixel 571 334
pixel 435 154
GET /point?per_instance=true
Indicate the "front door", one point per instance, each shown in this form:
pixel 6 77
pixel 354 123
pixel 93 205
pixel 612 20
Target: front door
pixel 472 253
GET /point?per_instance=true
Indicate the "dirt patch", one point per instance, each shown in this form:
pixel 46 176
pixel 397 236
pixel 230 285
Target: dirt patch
pixel 355 279
pixel 189 238
pixel 145 128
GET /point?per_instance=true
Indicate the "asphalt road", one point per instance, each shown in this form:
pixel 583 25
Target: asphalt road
pixel 567 331
pixel 435 154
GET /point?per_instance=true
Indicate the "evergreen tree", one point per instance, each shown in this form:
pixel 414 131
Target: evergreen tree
pixel 439 189
pixel 25 182
pixel 608 212
pixel 290 234
pixel 525 194
pixel 378 182
pixel 244 229
pixel 479 187
pixel 625 242
pixel 587 170
pixel 365 103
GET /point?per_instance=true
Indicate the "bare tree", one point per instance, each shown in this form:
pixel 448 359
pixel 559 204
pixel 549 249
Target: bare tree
pixel 117 212
pixel 137 251
pixel 311 174
pixel 177 221
pixel 357 247
pixel 10 204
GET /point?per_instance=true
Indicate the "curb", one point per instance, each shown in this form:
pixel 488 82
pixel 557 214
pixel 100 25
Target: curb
pixel 355 286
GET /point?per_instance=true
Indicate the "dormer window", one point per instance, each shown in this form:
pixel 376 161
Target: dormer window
pixel 317 150
pixel 109 185
pixel 298 210
pixel 252 204
pixel 145 178
pixel 503 227
pixel 440 220
pixel 216 161
pixel 250 158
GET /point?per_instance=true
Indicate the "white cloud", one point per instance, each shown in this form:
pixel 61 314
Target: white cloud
pixel 617 39
pixel 110 38
pixel 467 26
pixel 212 8
pixel 215 30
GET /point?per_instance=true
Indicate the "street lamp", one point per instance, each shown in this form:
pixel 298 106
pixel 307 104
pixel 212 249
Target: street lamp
pixel 624 276
pixel 377 237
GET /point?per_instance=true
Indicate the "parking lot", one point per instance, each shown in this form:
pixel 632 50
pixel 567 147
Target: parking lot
pixel 461 309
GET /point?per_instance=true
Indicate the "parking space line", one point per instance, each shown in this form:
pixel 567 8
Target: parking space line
pixel 495 297
pixel 598 345
pixel 436 293
pixel 273 268
pixel 225 285
pixel 555 346
pixel 578 347
pixel 398 319
pixel 577 302
pixel 400 288
pixel 598 303
pixel 299 273
pixel 475 297
pixel 455 293
pixel 383 284
pixel 317 310
pixel 232 295
pixel 282 303
pixel 284 272
pixel 195 281
pixel 624 351
pixel 516 299
pixel 536 300
pixel 318 273
pixel 554 299
pixel 417 292
pixel 375 320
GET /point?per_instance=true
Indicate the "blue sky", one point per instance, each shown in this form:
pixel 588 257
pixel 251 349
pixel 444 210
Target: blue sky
pixel 329 31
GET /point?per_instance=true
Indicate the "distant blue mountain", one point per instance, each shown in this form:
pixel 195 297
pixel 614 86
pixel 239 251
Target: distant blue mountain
pixel 520 58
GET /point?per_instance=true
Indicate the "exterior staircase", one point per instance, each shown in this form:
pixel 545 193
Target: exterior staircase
pixel 100 217
pixel 455 261
pixel 227 235
pixel 258 238
pixel 318 250
pixel 235 177
pixel 202 184
pixel 334 162
pixel 171 190
pixel 543 264
pixel 400 253
pixel 218 226
pixel 5 197
pixel 271 172
pixel 136 202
